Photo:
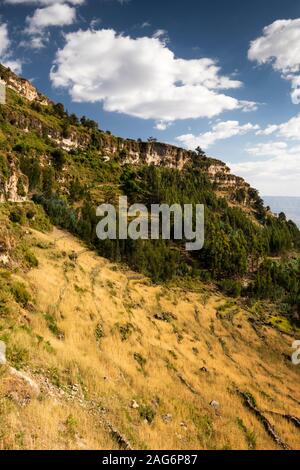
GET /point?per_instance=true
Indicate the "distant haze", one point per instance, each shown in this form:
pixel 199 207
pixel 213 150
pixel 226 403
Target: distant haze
pixel 289 205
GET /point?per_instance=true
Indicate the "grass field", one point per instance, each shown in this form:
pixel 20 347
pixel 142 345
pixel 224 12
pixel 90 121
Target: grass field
pixel 116 361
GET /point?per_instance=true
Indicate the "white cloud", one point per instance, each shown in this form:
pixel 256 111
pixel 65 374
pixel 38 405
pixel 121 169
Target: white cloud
pixel 162 125
pixel 271 129
pixel 161 33
pixel 53 15
pixel 220 131
pixel 268 149
pixel 140 77
pixel 6 56
pixel 277 173
pixel 14 65
pixel 290 130
pixel 35 42
pixel 44 2
pixel 280 46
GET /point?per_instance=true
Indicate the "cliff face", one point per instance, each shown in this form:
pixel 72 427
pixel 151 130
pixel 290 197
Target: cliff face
pixel 149 153
pixel 170 156
pixel 14 186
pixel 22 86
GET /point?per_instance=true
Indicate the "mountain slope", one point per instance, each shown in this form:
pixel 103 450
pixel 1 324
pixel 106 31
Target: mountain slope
pixel 109 350
pixel 123 344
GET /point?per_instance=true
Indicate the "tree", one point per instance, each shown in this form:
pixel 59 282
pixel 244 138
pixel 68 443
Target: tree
pixel 73 119
pixel 59 109
pixel 59 158
pixel 200 152
pixel 48 181
pixel 31 168
pixel 282 217
pixel 66 130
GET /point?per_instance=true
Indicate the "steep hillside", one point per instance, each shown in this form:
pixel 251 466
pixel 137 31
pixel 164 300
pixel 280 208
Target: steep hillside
pixel 33 121
pixel 110 360
pixel 137 344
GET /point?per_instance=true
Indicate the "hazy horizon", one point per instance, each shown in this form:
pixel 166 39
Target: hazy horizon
pixel 290 205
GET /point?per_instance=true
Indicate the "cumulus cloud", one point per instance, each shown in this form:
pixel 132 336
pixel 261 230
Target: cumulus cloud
pixel 6 55
pixel 280 46
pixel 289 130
pixel 220 131
pixel 58 14
pixel 140 77
pixel 277 172
pixel 51 13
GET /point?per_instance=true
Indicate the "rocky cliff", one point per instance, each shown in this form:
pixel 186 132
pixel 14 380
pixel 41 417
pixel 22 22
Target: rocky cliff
pixel 22 86
pixel 110 147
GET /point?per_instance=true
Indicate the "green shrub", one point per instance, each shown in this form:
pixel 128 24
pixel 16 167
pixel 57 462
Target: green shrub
pixel 30 214
pixel 52 325
pixel 99 332
pixel 231 287
pixel 70 426
pixel 167 317
pixel 250 435
pixel 59 158
pixel 4 168
pixel 38 219
pixel 4 299
pixel 125 331
pixel 31 259
pixel 147 413
pixel 20 293
pixel 140 360
pixel 16 215
pixel 20 188
pixel 18 357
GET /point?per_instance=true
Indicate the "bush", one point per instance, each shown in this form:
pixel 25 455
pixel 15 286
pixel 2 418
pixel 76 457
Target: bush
pixel 147 413
pixel 21 188
pixel 52 325
pixel 17 356
pixel 99 332
pixel 21 295
pixel 4 300
pixel 59 158
pixel 125 331
pixel 4 169
pixel 140 360
pixel 31 259
pixel 231 287
pixel 32 169
pixel 17 215
pixel 30 214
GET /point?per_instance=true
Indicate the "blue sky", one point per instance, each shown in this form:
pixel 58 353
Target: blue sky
pixel 222 75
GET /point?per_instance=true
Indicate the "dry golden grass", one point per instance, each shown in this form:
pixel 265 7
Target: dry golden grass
pixel 108 349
